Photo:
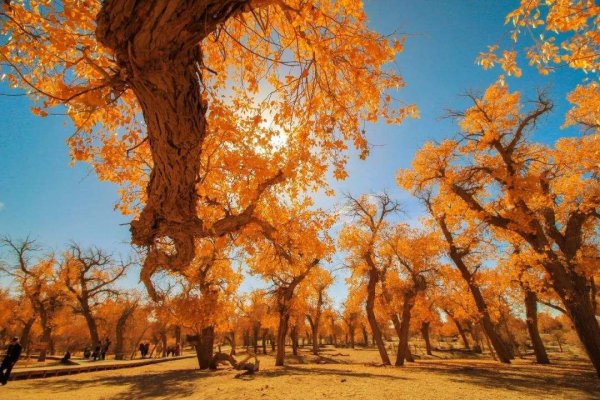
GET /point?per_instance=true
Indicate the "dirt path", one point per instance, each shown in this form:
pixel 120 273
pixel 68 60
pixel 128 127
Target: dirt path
pixel 333 377
pixel 32 371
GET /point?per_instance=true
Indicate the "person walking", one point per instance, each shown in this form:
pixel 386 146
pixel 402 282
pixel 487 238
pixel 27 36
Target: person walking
pixel 13 352
pixel 105 347
pixel 96 353
pixel 142 348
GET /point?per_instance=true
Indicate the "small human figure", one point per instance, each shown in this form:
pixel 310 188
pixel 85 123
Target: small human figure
pixel 177 349
pixel 146 349
pixel 66 360
pixel 104 348
pixel 96 353
pixel 13 352
pixel 87 352
pixel 142 348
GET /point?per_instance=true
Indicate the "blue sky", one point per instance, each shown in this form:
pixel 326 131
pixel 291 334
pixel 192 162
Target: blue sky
pixel 43 196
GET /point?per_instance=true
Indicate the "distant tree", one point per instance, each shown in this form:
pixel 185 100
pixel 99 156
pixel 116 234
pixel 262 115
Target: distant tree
pixel 89 276
pixel 38 281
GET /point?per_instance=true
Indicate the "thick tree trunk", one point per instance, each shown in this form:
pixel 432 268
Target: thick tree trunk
pixel 351 332
pixel 425 334
pixel 232 342
pixel 457 257
pixel 26 333
pixel 273 344
pixel 178 335
pixel 581 311
pixel 264 341
pixel 156 43
pixel 163 343
pixel 284 318
pixel 255 332
pixel 294 337
pixel 365 336
pixel 404 330
pixel 120 332
pixel 532 326
pixel 92 327
pixel 499 345
pixel 462 333
pixel 408 354
pixel 46 337
pixel 574 292
pixel 315 334
pixel 119 355
pixel 489 345
pixel 370 309
pixel 501 348
pixel 204 343
pixel 593 295
pixel 246 339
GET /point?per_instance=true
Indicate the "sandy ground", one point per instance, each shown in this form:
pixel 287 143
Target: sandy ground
pixel 338 374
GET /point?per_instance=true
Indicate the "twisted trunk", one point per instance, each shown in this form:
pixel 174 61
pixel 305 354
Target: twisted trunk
pixel 541 356
pixel 264 340
pixel 26 333
pixel 120 332
pixel 370 309
pixel 282 328
pixel 255 332
pixel 91 323
pixel 294 337
pixel 232 341
pixel 574 292
pixel 316 321
pixel 403 349
pixel 462 333
pixel 204 343
pixel 425 334
pixel 365 335
pixel 156 45
pixel 163 343
pixel 46 335
pixel 501 348
pixel 178 335
pixel 593 295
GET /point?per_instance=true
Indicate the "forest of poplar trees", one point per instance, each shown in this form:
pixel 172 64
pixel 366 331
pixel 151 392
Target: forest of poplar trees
pixel 219 123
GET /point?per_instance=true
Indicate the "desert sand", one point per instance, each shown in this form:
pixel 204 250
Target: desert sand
pixel 336 374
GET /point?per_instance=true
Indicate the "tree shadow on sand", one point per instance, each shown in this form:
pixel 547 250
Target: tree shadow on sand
pixel 535 379
pixel 290 370
pixel 164 385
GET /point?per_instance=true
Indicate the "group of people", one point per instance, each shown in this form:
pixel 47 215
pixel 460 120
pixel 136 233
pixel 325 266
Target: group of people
pixel 174 350
pixel 99 352
pixel 144 349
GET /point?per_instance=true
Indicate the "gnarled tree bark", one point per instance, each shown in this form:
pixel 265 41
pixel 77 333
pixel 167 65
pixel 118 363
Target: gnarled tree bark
pixel 425 334
pixel 541 356
pixel 370 310
pixel 156 46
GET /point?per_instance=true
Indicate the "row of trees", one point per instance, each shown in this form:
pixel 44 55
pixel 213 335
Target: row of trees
pixel 168 100
pixel 45 290
pixel 44 307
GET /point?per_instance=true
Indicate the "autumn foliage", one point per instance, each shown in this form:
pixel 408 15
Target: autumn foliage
pixel 220 121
